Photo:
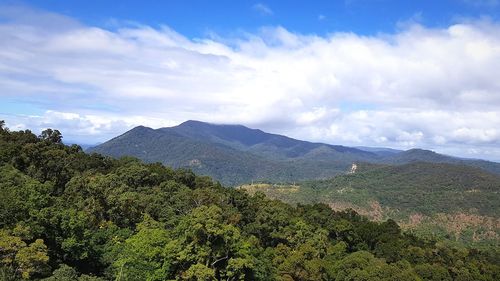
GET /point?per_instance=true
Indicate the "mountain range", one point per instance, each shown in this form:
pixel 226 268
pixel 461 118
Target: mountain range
pixel 235 154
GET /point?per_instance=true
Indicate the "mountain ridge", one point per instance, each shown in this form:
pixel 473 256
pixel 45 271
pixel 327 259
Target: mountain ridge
pixel 235 154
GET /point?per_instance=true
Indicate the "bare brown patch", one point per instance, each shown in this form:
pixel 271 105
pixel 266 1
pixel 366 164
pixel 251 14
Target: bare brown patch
pixel 459 222
pixel 414 221
pixel 266 188
pixel 374 212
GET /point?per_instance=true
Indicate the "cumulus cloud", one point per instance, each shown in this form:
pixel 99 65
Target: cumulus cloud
pixel 424 87
pixel 82 128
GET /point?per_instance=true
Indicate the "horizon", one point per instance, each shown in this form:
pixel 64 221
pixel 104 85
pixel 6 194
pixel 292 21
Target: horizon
pixel 361 147
pixel 390 74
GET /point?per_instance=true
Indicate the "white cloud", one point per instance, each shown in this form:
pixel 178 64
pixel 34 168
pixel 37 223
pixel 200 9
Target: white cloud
pixel 425 87
pixel 262 9
pixel 82 128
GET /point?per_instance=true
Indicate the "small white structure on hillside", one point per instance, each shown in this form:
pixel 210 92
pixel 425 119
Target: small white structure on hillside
pixel 354 167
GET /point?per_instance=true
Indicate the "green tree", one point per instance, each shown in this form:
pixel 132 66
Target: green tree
pixel 203 237
pixel 199 272
pixel 50 135
pixel 63 273
pixel 33 259
pixel 2 126
pixel 142 255
pixel 20 258
pixel 432 272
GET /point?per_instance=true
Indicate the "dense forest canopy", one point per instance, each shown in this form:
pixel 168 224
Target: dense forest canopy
pixel 458 203
pixel 68 215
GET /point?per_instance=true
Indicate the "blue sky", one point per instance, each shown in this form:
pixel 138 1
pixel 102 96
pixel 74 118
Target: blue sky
pixel 197 18
pixel 398 74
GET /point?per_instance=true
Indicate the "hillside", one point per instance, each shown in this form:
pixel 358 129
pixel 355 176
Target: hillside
pixel 460 198
pixel 235 154
pixel 421 155
pixel 68 215
pixel 259 142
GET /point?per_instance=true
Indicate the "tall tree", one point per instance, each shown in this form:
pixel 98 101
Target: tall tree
pixel 50 135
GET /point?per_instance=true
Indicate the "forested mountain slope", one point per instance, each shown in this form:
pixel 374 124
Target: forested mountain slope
pixel 422 155
pixel 234 154
pixel 68 215
pixel 446 199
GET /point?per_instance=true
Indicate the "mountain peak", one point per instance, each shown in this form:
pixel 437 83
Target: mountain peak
pixel 192 123
pixel 416 150
pixel 139 131
pixel 140 127
pixel 201 124
pixel 226 132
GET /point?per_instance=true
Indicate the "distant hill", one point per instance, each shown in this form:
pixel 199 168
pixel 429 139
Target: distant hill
pixel 425 187
pixel 421 155
pixel 431 198
pixel 235 154
pixel 382 151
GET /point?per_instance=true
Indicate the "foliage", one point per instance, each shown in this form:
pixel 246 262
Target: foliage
pixel 447 200
pixel 67 215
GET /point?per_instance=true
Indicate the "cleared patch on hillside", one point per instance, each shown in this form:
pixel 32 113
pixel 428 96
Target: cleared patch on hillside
pixel 466 226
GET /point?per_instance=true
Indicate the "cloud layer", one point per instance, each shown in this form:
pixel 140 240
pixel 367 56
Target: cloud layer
pixel 418 87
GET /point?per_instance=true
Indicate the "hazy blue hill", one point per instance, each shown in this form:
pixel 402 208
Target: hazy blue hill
pixel 219 151
pixel 422 155
pixel 170 148
pixel 382 151
pixel 414 155
pixel 259 142
pixel 227 134
pixel 235 154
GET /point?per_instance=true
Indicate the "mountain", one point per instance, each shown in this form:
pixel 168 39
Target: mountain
pixel 235 154
pixel 257 142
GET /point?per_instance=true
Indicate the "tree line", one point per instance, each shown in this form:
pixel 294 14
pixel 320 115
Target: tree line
pixel 68 215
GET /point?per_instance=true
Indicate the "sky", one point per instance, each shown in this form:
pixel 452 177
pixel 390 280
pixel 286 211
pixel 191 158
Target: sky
pixel 399 74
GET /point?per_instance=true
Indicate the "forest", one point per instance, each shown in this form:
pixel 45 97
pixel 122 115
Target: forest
pixel 69 215
pixel 459 204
